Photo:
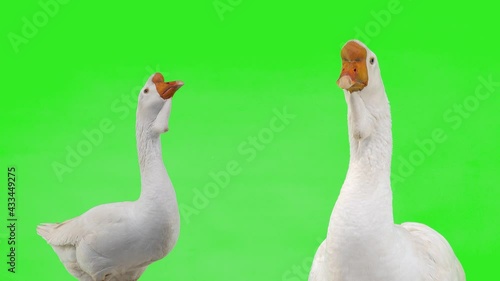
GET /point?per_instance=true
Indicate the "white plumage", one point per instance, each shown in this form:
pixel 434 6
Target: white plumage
pixel 363 243
pixel 118 241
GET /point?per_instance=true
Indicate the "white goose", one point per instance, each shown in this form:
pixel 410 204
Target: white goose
pixel 363 243
pixel 118 241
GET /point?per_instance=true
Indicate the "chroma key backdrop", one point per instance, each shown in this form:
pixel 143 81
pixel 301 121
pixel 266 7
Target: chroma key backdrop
pixel 257 148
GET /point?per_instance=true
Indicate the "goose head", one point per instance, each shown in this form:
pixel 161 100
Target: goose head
pixel 155 101
pixel 360 69
pixel 363 88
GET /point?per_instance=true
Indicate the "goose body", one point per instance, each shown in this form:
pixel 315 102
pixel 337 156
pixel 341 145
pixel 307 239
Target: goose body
pixel 363 243
pixel 118 241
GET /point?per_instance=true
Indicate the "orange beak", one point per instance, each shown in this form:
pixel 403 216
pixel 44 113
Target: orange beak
pixel 166 90
pixel 354 74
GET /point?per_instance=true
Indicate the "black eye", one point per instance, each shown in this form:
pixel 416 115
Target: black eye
pixel 146 90
pixel 372 60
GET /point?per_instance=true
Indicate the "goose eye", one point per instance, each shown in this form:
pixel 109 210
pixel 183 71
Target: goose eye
pixel 146 90
pixel 372 60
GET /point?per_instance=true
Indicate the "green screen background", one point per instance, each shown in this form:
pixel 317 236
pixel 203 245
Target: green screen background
pixel 240 65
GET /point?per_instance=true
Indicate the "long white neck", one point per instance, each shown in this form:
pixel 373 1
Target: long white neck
pixel 155 183
pixel 370 139
pixel 361 225
pixel 368 176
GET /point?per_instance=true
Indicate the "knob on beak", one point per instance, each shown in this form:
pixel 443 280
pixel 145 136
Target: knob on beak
pixel 166 90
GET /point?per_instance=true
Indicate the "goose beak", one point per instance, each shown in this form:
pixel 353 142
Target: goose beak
pixel 354 74
pixel 166 90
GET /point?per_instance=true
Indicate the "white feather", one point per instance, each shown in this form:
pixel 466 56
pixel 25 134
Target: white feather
pixel 363 243
pixel 118 241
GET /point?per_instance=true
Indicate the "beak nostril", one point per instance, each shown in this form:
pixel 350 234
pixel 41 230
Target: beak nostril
pixel 355 70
